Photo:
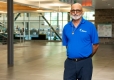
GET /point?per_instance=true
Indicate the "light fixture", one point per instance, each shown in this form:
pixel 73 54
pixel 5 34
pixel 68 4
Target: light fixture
pixel 40 10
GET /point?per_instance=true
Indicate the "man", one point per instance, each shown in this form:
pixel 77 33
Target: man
pixel 81 40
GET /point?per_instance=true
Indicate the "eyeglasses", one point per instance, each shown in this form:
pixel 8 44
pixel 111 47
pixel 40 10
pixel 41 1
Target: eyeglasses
pixel 77 11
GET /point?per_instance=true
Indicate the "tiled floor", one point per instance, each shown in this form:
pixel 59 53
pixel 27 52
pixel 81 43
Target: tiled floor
pixel 41 60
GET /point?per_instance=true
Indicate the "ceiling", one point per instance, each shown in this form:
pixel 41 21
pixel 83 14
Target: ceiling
pixel 53 5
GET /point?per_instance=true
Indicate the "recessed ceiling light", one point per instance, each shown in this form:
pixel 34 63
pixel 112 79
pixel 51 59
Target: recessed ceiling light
pixel 39 10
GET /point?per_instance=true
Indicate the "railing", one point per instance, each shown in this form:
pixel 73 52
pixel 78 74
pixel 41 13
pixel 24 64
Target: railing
pixel 50 26
pixel 3 38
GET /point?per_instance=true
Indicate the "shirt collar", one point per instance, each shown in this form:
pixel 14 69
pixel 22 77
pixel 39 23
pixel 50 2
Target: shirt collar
pixel 82 22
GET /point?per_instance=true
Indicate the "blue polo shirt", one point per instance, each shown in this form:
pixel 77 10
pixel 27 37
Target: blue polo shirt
pixel 79 44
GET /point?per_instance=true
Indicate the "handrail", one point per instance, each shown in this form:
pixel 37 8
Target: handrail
pixel 17 16
pixel 3 35
pixel 50 26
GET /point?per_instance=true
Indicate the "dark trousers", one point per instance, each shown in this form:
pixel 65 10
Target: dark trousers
pixel 78 70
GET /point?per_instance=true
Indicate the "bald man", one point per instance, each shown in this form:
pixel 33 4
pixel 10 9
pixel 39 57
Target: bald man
pixel 81 40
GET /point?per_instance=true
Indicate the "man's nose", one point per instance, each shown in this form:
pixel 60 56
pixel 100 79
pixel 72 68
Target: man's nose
pixel 75 12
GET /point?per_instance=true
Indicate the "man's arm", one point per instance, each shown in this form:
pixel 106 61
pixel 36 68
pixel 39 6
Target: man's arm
pixel 95 48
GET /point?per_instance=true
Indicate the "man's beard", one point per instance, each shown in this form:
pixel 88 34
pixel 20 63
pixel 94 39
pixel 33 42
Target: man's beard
pixel 76 17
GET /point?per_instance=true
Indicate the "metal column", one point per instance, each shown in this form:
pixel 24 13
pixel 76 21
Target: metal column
pixel 10 26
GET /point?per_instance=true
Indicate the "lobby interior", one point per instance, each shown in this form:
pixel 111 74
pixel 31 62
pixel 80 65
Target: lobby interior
pixel 44 59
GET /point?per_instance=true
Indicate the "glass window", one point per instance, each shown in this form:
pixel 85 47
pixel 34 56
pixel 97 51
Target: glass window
pixel 60 15
pixel 85 15
pixel 53 22
pixel 60 26
pixel 65 15
pixel 54 16
pixel 47 15
pixel 60 23
pixel 89 15
pixel 64 23
pixel 34 16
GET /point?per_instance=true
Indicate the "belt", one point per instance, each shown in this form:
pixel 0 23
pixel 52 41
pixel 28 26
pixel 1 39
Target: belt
pixel 77 59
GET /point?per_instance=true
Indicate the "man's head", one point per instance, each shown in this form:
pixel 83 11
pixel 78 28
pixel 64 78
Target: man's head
pixel 76 11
